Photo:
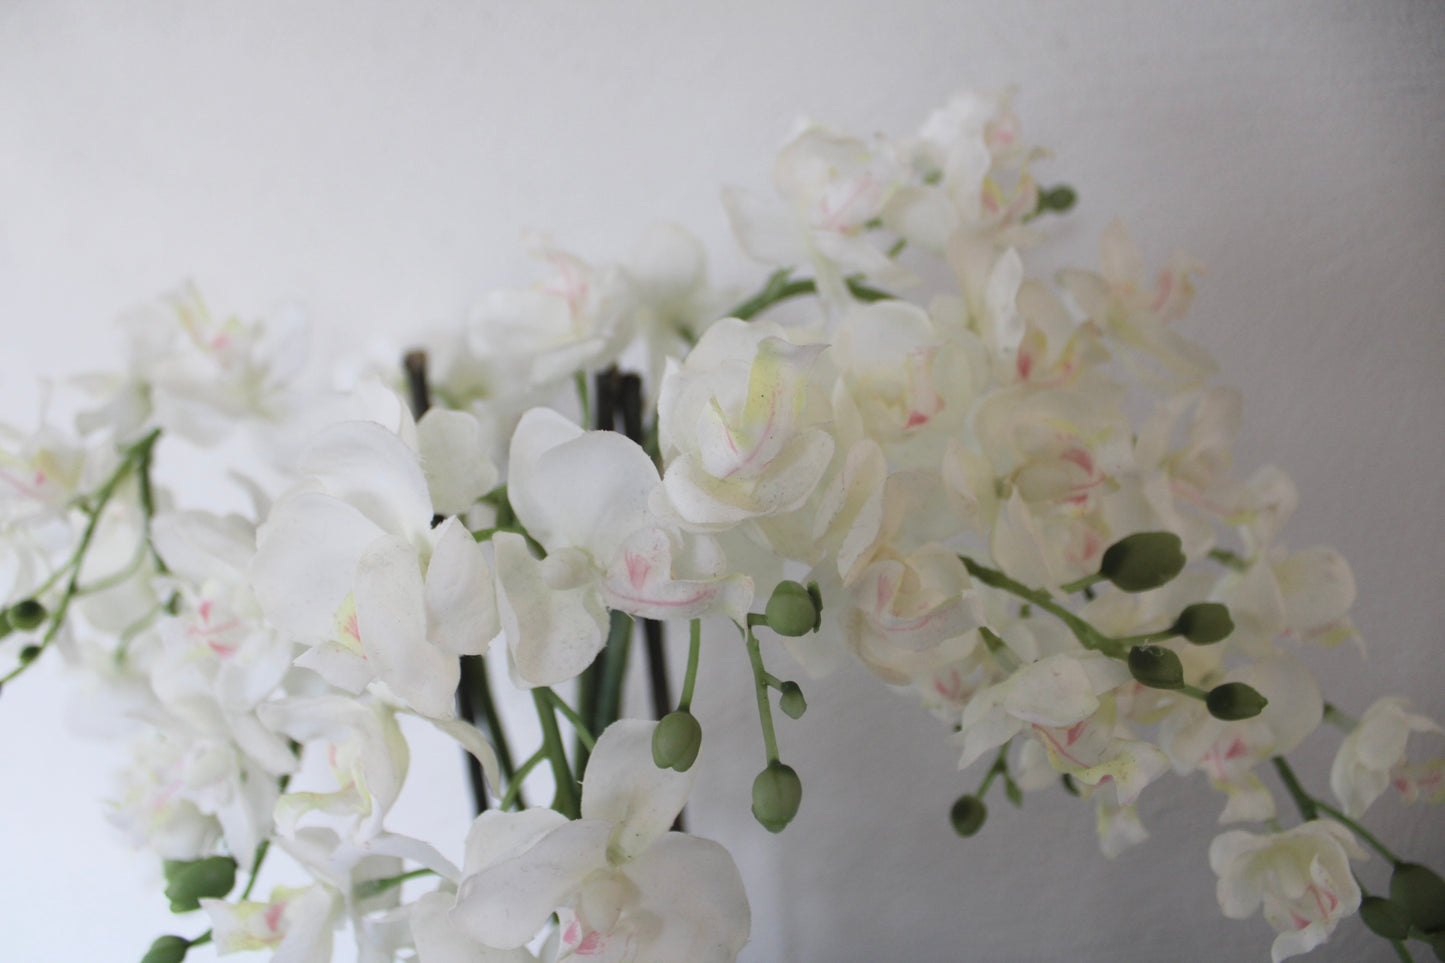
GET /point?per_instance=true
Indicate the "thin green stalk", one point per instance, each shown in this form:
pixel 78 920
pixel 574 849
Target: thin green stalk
pixel 579 378
pixel 778 289
pixel 694 650
pixel 513 795
pixel 1303 801
pixel 614 670
pixel 578 726
pixel 760 688
pixel 1147 637
pixel 1088 636
pixel 1338 719
pixel 370 888
pixel 565 802
pixel 1078 585
pixel 1358 830
pixel 999 768
pixel 133 455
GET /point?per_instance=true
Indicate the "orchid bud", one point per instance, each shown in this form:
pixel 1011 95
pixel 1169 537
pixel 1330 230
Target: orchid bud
pixel 1385 917
pixel 29 654
pixel 1143 561
pixel 1204 623
pixel 187 883
pixel 968 815
pixel 1420 892
pixel 791 700
pixel 1156 667
pixel 167 949
pixel 26 615
pixel 5 627
pixel 1060 198
pixel 1234 701
pixel 793 610
pixel 777 793
pixel 676 741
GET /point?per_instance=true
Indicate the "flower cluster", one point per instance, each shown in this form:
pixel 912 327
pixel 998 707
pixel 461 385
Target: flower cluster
pixel 1011 495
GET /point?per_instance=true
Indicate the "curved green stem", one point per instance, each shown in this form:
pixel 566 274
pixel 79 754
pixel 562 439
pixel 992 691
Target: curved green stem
pixel 565 801
pixel 514 785
pixel 1310 808
pixel 778 289
pixel 760 689
pixel 694 651
pixel 578 726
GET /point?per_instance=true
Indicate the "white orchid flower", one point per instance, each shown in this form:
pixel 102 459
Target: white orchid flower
pixel 295 924
pixel 585 497
pixel 623 887
pixel 1301 876
pixel 832 186
pixel 1372 755
pixel 742 426
pixel 348 564
pixel 196 374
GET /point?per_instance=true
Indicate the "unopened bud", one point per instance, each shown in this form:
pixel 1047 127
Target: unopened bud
pixel 1234 701
pixel 1204 623
pixel 792 610
pixel 777 793
pixel 967 815
pixel 1385 917
pixel 676 741
pixel 1143 561
pixel 791 700
pixel 1060 198
pixel 167 949
pixel 1420 892
pixel 29 654
pixel 1156 667
pixel 187 883
pixel 26 615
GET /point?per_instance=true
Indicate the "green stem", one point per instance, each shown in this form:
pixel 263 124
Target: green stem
pixel 1310 808
pixel 579 378
pixel 1229 559
pixel 370 888
pixel 137 453
pixel 999 768
pixel 1303 801
pixel 1078 585
pixel 760 689
pixel 1340 720
pixel 514 785
pixel 578 726
pixel 1147 637
pixel 1358 830
pixel 778 289
pixel 1088 636
pixel 614 670
pixel 565 802
pixel 694 651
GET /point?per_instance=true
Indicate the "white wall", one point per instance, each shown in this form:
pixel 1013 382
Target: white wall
pixel 378 161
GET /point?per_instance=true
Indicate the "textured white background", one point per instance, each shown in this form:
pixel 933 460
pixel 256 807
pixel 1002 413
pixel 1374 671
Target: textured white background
pixel 378 161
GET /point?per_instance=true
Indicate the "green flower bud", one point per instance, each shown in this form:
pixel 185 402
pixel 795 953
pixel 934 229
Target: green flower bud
pixel 791 700
pixel 1385 917
pixel 1234 701
pixel 5 627
pixel 27 615
pixel 29 654
pixel 676 740
pixel 1143 561
pixel 187 883
pixel 1204 623
pixel 1420 892
pixel 1156 667
pixel 792 611
pixel 777 792
pixel 1060 198
pixel 167 949
pixel 1437 944
pixel 967 815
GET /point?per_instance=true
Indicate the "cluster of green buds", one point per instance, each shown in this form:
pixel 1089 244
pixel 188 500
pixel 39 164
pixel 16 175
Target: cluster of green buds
pixel 1148 560
pixel 1415 908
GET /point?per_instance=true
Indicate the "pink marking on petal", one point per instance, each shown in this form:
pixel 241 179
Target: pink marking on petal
pixel 1053 742
pixel 272 916
pixel 205 610
pixel 1402 784
pixel 1236 749
pixel 221 649
pixel 572 934
pixel 1299 921
pixel 638 567
pixel 915 418
pixel 592 944
pixel 1025 365
pixel 1073 733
